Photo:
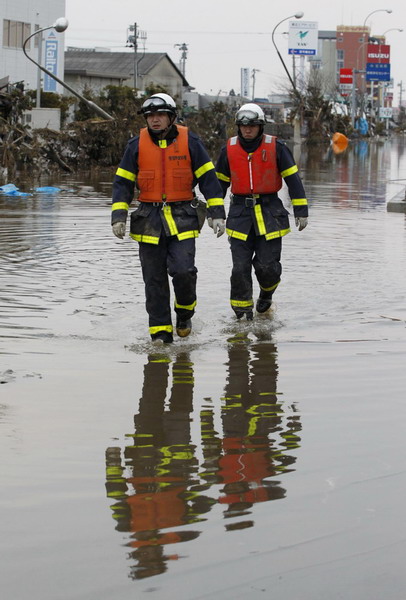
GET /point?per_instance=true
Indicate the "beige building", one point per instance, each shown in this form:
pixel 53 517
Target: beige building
pixel 95 69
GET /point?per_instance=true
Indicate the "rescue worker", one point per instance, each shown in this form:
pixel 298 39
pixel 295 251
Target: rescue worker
pixel 255 164
pixel 165 162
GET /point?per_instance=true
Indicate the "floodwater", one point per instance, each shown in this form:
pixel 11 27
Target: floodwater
pixel 250 460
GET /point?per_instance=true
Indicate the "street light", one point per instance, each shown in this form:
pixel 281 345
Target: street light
pixel 60 25
pixel 297 15
pixel 387 10
pixel 393 29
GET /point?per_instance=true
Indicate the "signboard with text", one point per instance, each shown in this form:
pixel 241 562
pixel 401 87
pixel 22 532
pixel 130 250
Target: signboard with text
pixel 378 53
pixel 385 112
pixel 245 82
pixel 51 62
pixel 345 81
pixel 303 37
pixel 377 72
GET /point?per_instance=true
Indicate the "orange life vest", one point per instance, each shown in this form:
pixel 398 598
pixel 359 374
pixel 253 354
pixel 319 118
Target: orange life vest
pixel 165 174
pixel 256 172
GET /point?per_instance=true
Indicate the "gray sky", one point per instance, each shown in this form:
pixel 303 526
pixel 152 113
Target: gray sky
pixel 223 36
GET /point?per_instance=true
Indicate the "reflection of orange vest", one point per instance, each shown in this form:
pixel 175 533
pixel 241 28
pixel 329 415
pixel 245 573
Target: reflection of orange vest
pixel 157 510
pixel 165 173
pixel 255 172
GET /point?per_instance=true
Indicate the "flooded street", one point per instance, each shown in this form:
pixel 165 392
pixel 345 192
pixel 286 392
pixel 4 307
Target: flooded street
pixel 250 460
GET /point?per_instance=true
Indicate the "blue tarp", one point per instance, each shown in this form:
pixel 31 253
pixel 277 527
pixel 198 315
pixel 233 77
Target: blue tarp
pixel 11 190
pixel 48 190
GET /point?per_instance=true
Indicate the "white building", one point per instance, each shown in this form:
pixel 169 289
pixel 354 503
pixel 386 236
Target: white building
pixel 19 19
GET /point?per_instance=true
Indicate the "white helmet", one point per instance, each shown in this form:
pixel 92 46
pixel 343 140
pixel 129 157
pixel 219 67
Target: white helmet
pixel 250 114
pixel 159 103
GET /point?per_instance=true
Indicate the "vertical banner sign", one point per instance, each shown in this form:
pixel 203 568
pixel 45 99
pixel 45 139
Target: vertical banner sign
pixel 245 82
pixel 378 62
pixel 51 62
pixel 345 81
pixel 303 37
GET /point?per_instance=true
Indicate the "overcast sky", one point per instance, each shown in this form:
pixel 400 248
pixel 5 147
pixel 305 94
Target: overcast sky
pixel 224 35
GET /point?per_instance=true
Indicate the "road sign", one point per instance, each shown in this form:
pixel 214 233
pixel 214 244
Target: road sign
pixel 378 72
pixel 303 37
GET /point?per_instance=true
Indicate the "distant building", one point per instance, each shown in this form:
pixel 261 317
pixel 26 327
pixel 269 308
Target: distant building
pixel 325 59
pixel 95 69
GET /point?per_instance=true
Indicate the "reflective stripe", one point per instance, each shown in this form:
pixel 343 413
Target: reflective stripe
pixel 215 202
pixel 160 360
pixel 173 230
pixel 159 328
pixel 269 289
pixel 126 174
pixel 233 140
pixel 146 239
pixel 237 234
pixel 260 219
pixel 203 169
pixel 289 171
pixel 119 206
pixel 223 177
pixel 242 303
pixel 186 235
pixel 268 139
pixel 186 307
pixel 299 202
pixel 252 426
pixel 163 144
pixel 276 234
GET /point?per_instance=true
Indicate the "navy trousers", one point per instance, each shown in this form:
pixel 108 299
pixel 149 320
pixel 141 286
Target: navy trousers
pixel 170 258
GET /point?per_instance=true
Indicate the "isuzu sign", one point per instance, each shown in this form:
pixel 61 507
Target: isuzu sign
pixel 346 76
pixel 378 53
pixel 303 37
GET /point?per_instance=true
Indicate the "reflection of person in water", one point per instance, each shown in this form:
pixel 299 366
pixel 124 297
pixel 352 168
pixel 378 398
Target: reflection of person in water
pixel 255 434
pixel 158 495
pixel 161 488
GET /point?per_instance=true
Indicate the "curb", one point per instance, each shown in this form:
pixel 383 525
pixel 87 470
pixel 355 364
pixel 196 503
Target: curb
pixel 398 203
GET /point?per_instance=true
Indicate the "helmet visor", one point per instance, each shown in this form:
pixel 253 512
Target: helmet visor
pixel 248 117
pixel 155 105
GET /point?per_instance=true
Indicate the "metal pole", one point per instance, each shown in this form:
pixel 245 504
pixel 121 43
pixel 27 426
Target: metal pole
pixel 353 99
pixel 135 56
pixel 38 98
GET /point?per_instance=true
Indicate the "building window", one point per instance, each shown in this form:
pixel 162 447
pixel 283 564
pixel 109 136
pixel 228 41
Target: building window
pixel 14 33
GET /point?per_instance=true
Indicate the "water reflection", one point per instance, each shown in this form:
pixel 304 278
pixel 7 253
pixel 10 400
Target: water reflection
pixel 156 493
pixel 357 177
pixel 162 490
pixel 255 442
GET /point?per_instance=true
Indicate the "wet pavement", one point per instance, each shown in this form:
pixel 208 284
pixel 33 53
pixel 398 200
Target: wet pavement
pixel 250 460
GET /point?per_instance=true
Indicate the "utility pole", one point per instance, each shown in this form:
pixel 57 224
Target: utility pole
pixel 400 86
pixel 183 57
pixel 132 40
